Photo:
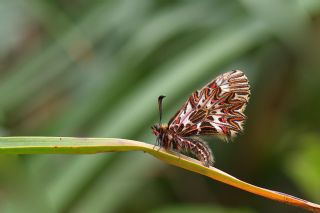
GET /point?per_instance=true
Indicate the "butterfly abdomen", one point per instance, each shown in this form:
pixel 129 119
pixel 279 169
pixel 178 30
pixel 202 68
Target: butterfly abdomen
pixel 196 147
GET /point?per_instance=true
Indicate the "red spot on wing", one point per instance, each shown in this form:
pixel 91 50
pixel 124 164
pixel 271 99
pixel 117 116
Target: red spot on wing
pixel 213 85
pixel 225 130
pixel 178 120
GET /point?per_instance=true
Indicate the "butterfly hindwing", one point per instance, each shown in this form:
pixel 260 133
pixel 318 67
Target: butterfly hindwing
pixel 216 109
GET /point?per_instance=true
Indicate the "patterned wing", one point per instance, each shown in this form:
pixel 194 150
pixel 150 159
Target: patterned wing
pixel 216 109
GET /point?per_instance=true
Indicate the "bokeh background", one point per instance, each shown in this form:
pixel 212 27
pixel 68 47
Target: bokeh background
pixel 96 68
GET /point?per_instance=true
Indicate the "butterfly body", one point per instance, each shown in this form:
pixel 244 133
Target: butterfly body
pixel 169 140
pixel 216 109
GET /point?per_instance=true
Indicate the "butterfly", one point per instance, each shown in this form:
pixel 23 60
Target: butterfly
pixel 217 109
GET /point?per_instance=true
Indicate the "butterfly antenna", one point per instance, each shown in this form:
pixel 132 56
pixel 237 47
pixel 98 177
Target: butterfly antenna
pixel 161 97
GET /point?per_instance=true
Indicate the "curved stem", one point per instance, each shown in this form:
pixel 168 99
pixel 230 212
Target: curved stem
pixel 69 145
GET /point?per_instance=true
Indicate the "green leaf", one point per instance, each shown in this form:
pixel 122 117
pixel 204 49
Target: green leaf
pixel 68 145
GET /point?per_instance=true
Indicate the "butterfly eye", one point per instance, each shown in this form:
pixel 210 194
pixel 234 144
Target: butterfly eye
pixel 155 129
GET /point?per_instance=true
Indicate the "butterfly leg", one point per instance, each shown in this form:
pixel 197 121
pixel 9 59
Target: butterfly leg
pixel 157 144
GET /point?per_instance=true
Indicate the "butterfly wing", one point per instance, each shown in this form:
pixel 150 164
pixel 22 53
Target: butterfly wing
pixel 216 109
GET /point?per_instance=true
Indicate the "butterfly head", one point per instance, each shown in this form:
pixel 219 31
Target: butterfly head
pixel 156 129
pixel 159 129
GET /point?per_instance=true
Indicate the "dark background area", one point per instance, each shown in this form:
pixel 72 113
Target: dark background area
pixel 96 68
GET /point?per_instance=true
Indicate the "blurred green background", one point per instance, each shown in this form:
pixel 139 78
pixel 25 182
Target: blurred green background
pixel 96 68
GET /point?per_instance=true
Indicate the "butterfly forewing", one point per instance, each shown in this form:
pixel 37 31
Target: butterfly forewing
pixel 216 109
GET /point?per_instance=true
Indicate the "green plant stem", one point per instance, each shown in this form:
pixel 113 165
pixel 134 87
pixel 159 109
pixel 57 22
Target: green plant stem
pixel 69 145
